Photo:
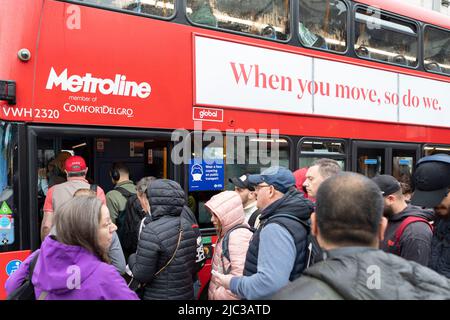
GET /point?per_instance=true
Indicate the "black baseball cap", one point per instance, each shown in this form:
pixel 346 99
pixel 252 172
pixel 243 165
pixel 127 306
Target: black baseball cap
pixel 387 184
pixel 431 181
pixel 242 182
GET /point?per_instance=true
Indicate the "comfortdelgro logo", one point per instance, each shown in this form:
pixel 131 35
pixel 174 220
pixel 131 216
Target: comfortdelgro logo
pixel 89 84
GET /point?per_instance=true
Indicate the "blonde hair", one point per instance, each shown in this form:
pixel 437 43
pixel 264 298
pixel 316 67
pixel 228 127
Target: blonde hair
pixel 77 222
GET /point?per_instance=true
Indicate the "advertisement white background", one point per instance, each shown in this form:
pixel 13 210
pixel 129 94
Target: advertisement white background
pixel 216 85
pixel 359 81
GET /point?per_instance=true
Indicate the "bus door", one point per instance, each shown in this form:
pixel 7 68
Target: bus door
pixel 15 227
pixel 375 158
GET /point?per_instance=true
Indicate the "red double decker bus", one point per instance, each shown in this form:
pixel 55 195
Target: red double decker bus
pixel 366 83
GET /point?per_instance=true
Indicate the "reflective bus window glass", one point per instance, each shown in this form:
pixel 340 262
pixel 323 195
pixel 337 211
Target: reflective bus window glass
pixel 403 162
pixel 252 163
pixel 437 50
pixel 370 162
pixel 311 151
pixel 8 221
pixel 243 154
pixel 323 24
pixel 265 18
pixel 431 149
pixel 160 8
pixel 381 37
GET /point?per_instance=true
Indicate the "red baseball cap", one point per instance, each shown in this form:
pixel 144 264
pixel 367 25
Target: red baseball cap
pixel 75 164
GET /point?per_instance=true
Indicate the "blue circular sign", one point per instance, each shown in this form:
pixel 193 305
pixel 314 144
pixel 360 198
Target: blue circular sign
pixel 12 266
pixel 4 222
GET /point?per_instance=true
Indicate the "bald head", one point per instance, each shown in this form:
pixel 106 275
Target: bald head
pixel 349 210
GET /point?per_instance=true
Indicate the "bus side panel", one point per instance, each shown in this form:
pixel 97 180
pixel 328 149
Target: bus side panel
pixel 9 262
pixel 14 36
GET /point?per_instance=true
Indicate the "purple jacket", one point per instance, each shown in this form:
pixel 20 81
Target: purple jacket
pixel 71 273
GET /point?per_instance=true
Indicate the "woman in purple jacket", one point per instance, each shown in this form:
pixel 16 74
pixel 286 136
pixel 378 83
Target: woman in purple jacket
pixel 75 265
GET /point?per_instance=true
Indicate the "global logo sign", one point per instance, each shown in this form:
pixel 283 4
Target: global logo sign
pixel 207 114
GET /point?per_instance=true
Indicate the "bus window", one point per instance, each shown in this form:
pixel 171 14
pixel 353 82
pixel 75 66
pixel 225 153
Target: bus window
pixel 265 18
pixel 7 218
pixel 370 161
pixel 437 50
pixel 403 162
pixel 164 8
pixel 243 154
pixel 381 37
pixel 323 24
pixel 253 146
pixel 432 149
pixel 312 150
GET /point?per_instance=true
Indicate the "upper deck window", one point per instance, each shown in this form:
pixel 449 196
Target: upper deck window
pixel 437 50
pixel 323 24
pixel 382 37
pixel 265 18
pixel 160 8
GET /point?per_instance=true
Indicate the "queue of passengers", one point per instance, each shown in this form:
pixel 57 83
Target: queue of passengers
pixel 317 233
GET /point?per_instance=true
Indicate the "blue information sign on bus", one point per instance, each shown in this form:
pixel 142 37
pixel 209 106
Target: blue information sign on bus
pixel 206 175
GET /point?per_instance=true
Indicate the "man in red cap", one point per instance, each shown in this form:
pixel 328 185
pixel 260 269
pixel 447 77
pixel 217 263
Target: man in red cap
pixel 75 168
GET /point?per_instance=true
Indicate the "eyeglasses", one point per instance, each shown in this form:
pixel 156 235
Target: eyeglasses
pixel 258 187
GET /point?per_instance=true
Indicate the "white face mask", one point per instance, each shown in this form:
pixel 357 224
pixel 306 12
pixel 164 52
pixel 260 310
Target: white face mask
pixel 197 176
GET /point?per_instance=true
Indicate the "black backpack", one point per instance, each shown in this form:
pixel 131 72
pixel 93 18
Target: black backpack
pixel 26 290
pixel 225 242
pixel 133 216
pixel 120 221
pixel 200 257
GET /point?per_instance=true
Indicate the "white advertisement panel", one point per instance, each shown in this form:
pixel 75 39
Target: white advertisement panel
pixel 350 91
pixel 229 74
pixel 424 101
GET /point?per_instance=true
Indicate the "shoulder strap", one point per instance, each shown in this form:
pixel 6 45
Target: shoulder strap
pixel 93 187
pixel 176 249
pixel 406 222
pixel 252 219
pixel 225 242
pixel 32 265
pixel 124 192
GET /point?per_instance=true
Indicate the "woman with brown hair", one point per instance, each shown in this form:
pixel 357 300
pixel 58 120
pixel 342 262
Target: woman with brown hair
pixel 75 263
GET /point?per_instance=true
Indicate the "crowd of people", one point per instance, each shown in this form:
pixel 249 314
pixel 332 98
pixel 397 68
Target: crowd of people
pixel 316 233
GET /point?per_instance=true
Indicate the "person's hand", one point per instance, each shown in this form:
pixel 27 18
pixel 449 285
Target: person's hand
pixel 223 279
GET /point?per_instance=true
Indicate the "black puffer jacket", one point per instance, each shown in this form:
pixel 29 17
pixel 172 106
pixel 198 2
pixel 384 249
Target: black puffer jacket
pixel 157 244
pixel 366 274
pixel 440 247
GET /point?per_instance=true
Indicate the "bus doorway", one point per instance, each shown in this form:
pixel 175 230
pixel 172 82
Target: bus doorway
pixel 145 153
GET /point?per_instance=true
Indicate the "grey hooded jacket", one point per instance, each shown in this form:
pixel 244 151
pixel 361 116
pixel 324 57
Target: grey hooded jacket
pixel 366 274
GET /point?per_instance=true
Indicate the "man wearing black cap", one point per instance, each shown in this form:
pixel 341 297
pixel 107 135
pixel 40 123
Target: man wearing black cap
pixel 409 231
pixel 278 249
pixel 431 182
pixel 248 197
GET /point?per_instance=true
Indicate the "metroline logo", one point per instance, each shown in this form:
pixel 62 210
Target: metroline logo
pixel 89 84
